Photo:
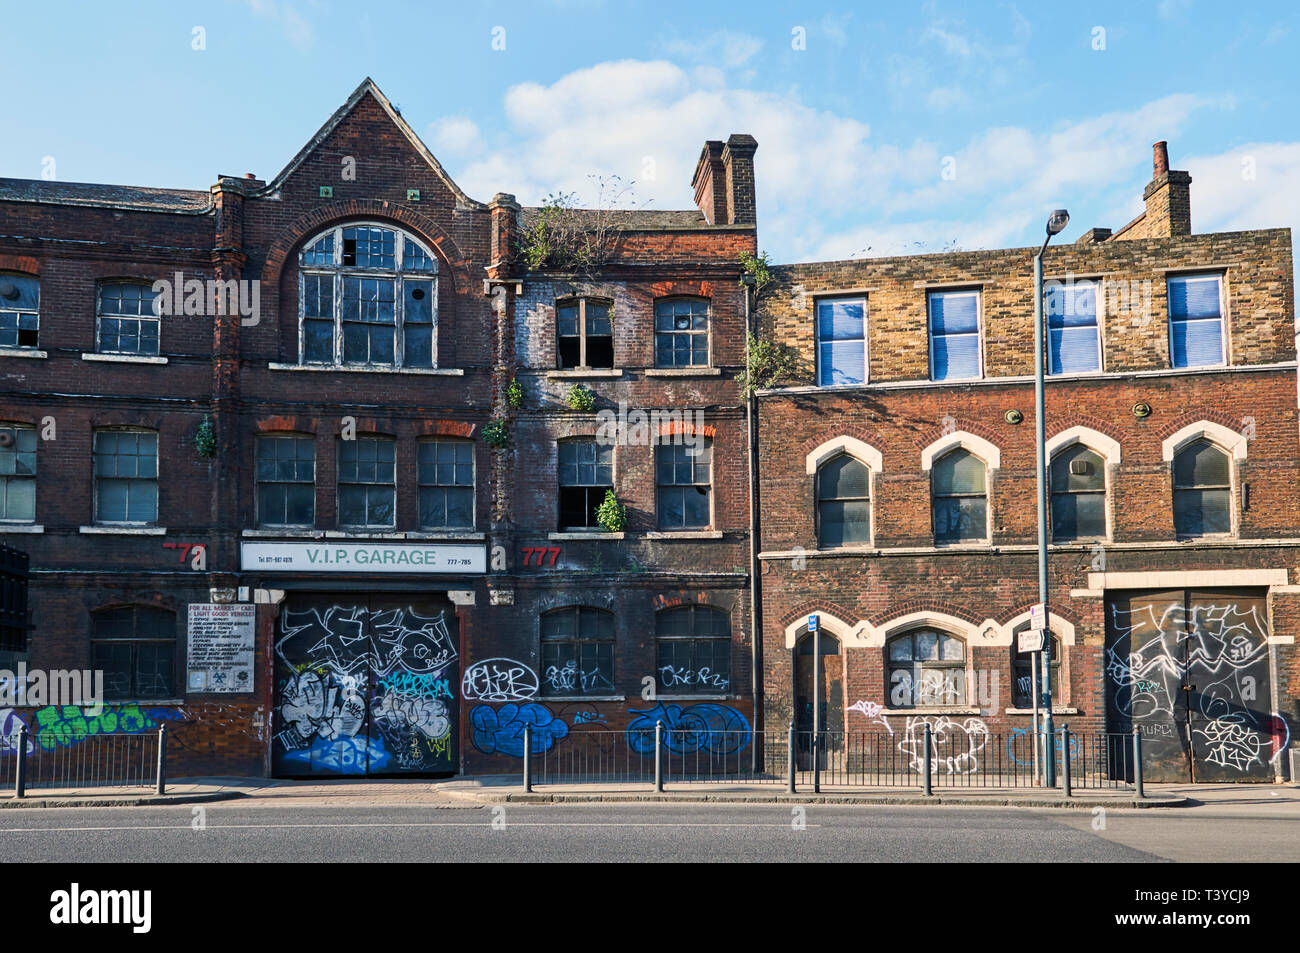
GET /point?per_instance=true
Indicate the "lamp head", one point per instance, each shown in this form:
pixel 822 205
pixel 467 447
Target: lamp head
pixel 1056 224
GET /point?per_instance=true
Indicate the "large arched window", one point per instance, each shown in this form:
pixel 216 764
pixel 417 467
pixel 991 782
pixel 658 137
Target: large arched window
pixel 1078 482
pixel 1022 673
pixel 368 297
pixel 959 484
pixel 843 502
pixel 577 652
pixel 926 667
pixel 1202 490
pixel 693 650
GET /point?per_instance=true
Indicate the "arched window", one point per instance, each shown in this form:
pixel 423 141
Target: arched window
pixel 1202 491
pixel 926 667
pixel 135 647
pixel 577 652
pixel 20 310
pixel 682 332
pixel 369 297
pixel 843 502
pixel 1078 482
pixel 693 650
pixel 1022 677
pixel 960 485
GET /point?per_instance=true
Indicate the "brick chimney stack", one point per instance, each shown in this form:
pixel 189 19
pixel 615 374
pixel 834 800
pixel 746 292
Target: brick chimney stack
pixel 1168 198
pixel 724 181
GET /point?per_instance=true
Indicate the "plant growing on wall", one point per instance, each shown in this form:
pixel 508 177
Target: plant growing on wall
pixel 611 514
pixel 760 268
pixel 515 394
pixel 496 434
pixel 580 398
pixel 567 238
pixel 769 364
pixel 205 438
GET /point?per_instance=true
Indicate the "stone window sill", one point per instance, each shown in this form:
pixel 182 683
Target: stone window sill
pixel 662 697
pixel 21 528
pixel 1055 711
pixel 125 530
pixel 352 369
pixel 685 534
pixel 22 352
pixel 582 534
pixel 123 358
pixel 932 710
pixel 586 372
pixel 582 698
pixel 683 372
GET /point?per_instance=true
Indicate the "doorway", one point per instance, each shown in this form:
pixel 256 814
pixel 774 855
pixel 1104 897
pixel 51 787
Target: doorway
pixel 830 697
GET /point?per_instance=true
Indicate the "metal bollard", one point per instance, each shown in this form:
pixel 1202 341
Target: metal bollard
pixel 1065 760
pixel 817 761
pixel 162 759
pixel 528 759
pixel 659 755
pixel 20 769
pixel 790 759
pixel 927 786
pixel 1049 752
pixel 1137 762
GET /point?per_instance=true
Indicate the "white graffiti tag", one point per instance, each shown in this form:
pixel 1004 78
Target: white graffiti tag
pixel 1229 743
pixel 872 711
pixel 954 746
pixel 499 680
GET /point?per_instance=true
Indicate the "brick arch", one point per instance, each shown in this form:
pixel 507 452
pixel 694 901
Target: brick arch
pixel 804 609
pixel 1084 420
pixel 685 289
pixel 1195 416
pixel 23 263
pixel 898 609
pixel 924 438
pixel 318 219
pixel 684 598
pixel 865 434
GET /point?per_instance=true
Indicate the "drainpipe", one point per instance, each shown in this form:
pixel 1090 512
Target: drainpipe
pixel 755 583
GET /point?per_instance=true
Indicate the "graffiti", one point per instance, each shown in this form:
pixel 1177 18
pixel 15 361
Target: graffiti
pixel 571 680
pixel 427 716
pixel 356 755
pixel 954 746
pixel 588 718
pixel 872 711
pixel 1229 743
pixel 501 730
pixel 1189 671
pixel 715 729
pixel 1020 747
pixel 352 639
pixel 409 683
pixel 10 725
pixel 322 706
pixel 1280 736
pixel 499 680
pixel 670 677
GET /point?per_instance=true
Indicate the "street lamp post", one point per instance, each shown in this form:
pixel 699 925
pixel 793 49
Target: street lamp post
pixel 1055 224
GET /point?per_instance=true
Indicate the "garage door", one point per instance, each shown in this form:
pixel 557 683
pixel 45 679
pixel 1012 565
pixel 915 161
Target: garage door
pixel 1189 669
pixel 364 685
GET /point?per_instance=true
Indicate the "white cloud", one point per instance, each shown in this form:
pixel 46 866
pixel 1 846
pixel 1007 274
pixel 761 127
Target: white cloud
pixel 297 28
pixel 454 136
pixel 1256 185
pixel 727 47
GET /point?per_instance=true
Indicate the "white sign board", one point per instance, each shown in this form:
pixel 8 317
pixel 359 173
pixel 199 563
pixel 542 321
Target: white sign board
pixel 1032 640
pixel 221 644
pixel 1038 617
pixel 379 558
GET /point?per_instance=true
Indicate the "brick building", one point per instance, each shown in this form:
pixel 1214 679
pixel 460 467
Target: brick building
pixel 297 465
pixel 898 494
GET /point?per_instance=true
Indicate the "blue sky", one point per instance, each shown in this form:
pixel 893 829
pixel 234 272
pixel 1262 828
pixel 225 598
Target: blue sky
pixel 1025 109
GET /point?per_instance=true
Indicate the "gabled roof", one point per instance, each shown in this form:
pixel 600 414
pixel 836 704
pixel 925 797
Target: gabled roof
pixel 368 87
pixel 136 197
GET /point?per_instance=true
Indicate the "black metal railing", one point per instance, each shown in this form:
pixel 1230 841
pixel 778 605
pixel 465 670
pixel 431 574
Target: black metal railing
pixel 922 757
pixel 46 760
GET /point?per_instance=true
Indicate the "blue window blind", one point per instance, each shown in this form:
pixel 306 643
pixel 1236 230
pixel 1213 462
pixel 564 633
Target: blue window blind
pixel 1195 321
pixel 954 335
pixel 841 341
pixel 1073 344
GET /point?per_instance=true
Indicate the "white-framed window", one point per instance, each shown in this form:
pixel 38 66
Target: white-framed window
pixel 1078 494
pixel 126 476
pixel 1202 490
pixel 368 296
pixel 843 502
pixel 286 480
pixel 20 310
pixel 682 332
pixel 445 472
pixel 367 483
pixel 959 492
pixel 1196 326
pixel 841 341
pixel 926 668
pixel 1073 331
pixel 125 319
pixel 954 335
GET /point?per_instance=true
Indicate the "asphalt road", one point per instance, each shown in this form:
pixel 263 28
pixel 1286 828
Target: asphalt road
pixel 644 832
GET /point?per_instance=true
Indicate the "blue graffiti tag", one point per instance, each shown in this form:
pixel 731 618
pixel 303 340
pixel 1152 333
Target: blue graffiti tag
pixel 349 755
pixel 1020 742
pixel 716 729
pixel 501 730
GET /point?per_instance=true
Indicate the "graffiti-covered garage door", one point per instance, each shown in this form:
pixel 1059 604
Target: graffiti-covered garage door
pixel 364 686
pixel 1189 669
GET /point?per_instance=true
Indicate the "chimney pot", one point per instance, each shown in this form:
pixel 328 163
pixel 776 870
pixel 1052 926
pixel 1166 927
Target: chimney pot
pixel 1160 159
pixel 249 175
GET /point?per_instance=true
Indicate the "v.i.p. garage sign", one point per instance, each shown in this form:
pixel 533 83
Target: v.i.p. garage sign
pixel 377 558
